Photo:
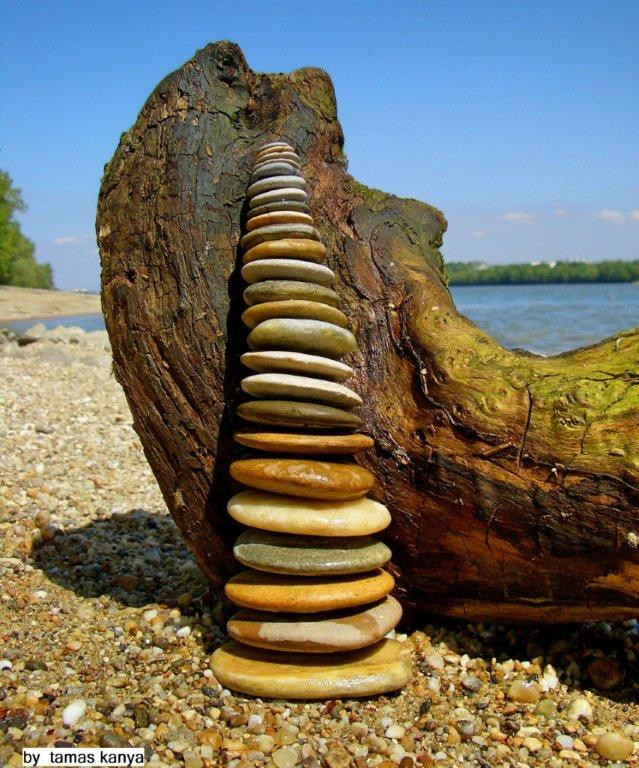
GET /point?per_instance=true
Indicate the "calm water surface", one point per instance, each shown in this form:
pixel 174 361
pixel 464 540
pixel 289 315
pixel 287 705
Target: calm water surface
pixel 542 318
pixel 550 318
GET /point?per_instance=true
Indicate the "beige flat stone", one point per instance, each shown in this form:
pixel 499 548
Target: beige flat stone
pixel 278 232
pixel 296 362
pixel 310 517
pixel 279 217
pixel 311 310
pixel 275 182
pixel 287 248
pixel 314 337
pixel 280 154
pixel 283 442
pixel 280 290
pixel 301 555
pixel 319 633
pixel 310 478
pixel 377 669
pixel 296 594
pixel 287 386
pixel 276 195
pixel 288 269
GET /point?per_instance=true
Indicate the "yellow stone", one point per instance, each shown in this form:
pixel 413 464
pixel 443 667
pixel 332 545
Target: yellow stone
pixel 287 361
pixel 377 669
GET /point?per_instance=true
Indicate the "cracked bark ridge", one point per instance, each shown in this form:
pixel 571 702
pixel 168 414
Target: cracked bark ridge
pixel 512 479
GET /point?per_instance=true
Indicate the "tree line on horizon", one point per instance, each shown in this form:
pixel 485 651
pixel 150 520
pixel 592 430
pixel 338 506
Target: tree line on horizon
pixel 477 273
pixel 18 265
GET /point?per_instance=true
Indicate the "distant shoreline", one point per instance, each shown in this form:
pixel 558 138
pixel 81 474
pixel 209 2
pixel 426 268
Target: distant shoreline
pixel 542 273
pixel 41 303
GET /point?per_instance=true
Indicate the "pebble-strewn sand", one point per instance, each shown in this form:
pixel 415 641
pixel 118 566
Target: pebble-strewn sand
pixel 106 626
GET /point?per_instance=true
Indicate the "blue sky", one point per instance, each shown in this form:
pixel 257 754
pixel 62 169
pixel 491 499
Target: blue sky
pixel 518 119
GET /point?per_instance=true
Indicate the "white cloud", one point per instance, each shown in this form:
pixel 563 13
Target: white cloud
pixel 518 217
pixel 479 233
pixel 615 216
pixel 66 240
pixel 562 212
pixel 634 215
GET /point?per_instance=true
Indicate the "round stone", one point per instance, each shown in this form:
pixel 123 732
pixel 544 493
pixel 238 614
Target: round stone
pixel 285 442
pixel 279 232
pixel 318 633
pixel 308 517
pixel 282 205
pixel 274 143
pixel 294 594
pixel 613 746
pixel 309 555
pixel 280 290
pixel 288 269
pixel 383 667
pixel 315 337
pixel 296 362
pixel 275 168
pixel 279 217
pixel 278 154
pixel 288 413
pixel 288 248
pixel 309 478
pixel 275 195
pixel 275 182
pixel 287 386
pixel 311 310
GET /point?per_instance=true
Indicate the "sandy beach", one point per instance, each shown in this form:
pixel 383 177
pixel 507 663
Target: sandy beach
pixel 21 303
pixel 107 626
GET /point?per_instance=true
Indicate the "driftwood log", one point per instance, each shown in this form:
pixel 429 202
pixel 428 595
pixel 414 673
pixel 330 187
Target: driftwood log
pixel 512 479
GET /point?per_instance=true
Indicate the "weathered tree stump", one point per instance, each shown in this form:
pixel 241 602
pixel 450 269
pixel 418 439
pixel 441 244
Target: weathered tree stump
pixel 512 479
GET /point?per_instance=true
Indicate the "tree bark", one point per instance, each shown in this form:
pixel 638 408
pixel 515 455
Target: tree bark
pixel 512 479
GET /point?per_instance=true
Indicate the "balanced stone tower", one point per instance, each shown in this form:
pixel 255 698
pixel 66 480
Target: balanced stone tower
pixel 315 603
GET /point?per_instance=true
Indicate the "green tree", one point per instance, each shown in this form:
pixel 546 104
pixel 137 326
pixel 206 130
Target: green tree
pixel 18 265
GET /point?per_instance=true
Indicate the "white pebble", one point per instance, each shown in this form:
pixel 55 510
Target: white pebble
pixel 74 711
pixel 580 708
pixel 395 732
pixel 183 632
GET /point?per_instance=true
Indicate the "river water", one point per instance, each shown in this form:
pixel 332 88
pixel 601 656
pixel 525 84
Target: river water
pixel 546 319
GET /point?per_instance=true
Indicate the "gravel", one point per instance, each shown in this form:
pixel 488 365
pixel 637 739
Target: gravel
pixel 107 627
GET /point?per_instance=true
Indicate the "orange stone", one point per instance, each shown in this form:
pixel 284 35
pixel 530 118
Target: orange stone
pixel 278 217
pixel 307 478
pixel 272 592
pixel 311 310
pixel 288 442
pixel 288 248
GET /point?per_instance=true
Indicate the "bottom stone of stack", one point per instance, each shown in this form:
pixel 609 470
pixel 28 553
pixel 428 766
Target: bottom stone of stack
pixel 380 668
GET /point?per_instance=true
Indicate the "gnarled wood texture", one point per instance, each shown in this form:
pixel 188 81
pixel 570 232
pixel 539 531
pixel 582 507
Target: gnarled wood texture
pixel 512 479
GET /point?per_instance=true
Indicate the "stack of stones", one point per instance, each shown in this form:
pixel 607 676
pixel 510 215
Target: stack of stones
pixel 315 606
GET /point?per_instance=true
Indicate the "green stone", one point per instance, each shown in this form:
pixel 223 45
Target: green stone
pixel 287 413
pixel 309 555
